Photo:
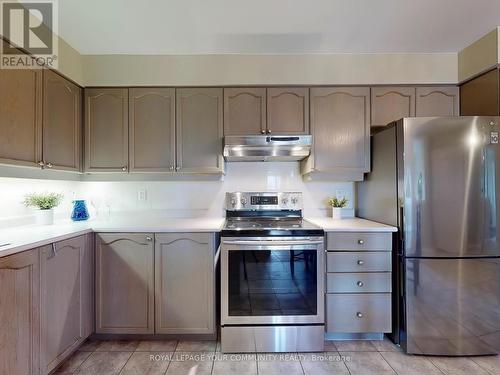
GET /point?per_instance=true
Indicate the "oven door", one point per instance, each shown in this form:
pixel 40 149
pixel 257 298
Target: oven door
pixel 266 280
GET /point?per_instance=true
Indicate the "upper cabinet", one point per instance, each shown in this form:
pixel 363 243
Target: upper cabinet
pixel 199 130
pixel 21 116
pixel 106 130
pixel 244 111
pixel 257 110
pixel 480 96
pixel 437 101
pixel 340 127
pixel 62 122
pixel 152 129
pixel 389 104
pixel 288 110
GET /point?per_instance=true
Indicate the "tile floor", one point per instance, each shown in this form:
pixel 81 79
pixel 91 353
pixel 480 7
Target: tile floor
pixel 204 358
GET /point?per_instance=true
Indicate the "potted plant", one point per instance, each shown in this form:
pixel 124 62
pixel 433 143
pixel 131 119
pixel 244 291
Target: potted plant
pixel 337 205
pixel 45 202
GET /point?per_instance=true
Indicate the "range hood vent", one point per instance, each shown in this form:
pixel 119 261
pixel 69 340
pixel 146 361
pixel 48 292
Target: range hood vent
pixel 267 147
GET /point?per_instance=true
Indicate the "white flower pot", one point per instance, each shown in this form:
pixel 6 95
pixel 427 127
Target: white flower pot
pixel 44 217
pixel 336 213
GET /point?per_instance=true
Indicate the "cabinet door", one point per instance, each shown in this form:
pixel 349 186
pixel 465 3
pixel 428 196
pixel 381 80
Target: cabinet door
pixel 152 129
pixel 391 103
pixel 288 110
pixel 19 314
pixel 187 260
pixel 437 101
pixel 62 122
pixel 341 129
pixel 124 283
pixel 480 96
pixel 106 130
pixel 21 116
pixel 61 285
pixel 199 130
pixel 244 111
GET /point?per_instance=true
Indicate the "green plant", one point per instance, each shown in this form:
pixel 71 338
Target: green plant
pixel 339 203
pixel 44 201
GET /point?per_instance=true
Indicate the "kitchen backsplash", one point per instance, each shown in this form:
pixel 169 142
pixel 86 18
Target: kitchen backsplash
pixel 173 198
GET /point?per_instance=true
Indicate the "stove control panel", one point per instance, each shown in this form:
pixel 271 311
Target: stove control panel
pixel 263 201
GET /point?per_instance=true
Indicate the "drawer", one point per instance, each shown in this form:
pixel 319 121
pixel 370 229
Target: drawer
pixel 359 282
pixel 358 241
pixel 358 262
pixel 355 313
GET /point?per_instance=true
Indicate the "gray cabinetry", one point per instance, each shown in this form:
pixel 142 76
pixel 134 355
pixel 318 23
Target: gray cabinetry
pixel 358 284
pixel 185 283
pixel 199 130
pixel 65 271
pixel 106 130
pixel 437 101
pixel 340 125
pixel 20 313
pixel 288 110
pixel 124 283
pixel 152 129
pixel 391 103
pixel 62 123
pixel 244 111
pixel 20 116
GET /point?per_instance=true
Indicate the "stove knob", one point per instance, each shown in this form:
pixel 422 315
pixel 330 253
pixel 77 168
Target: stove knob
pixel 233 202
pixel 243 201
pixel 284 201
pixel 294 200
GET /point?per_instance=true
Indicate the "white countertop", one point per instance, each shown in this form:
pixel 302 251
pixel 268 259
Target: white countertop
pixel 32 236
pixel 350 225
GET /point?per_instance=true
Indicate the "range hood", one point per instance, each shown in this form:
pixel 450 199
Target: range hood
pixel 267 147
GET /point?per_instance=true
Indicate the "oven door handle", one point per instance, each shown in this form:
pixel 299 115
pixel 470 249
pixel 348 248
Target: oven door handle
pixel 272 243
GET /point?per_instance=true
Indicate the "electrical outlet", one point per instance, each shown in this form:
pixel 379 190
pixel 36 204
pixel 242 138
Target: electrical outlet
pixel 142 195
pixel 340 194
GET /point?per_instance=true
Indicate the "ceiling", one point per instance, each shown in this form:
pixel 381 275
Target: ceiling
pixel 274 26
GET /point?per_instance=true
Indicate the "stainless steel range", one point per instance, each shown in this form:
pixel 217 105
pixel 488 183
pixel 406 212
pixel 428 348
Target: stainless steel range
pixel 272 276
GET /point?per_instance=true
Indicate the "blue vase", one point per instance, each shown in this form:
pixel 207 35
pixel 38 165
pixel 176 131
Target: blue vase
pixel 80 211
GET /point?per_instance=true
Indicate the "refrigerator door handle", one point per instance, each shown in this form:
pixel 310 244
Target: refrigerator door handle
pixel 401 233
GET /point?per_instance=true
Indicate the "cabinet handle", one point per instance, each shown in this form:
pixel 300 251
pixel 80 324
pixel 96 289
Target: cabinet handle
pixel 49 164
pixel 268 131
pixel 360 262
pixel 124 169
pixel 177 168
pixel 171 167
pixel 41 163
pixel 361 242
pixel 149 239
pixel 360 283
pixel 359 314
pixel 262 132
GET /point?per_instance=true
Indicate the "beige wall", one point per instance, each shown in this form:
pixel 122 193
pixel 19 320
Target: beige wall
pixel 318 69
pixel 480 56
pixel 70 62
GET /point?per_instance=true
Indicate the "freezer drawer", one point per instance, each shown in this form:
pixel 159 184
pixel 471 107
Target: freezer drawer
pixel 361 241
pixel 375 282
pixel 358 313
pixel 358 262
pixel 452 306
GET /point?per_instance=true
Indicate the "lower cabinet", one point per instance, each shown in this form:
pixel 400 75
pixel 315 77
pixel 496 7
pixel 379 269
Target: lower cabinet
pixel 66 270
pixel 19 313
pixel 185 283
pixel 358 283
pixel 124 283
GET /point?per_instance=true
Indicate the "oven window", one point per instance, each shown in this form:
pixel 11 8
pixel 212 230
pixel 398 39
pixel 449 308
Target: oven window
pixel 278 282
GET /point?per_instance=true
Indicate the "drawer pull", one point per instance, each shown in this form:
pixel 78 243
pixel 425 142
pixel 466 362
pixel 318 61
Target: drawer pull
pixel 361 242
pixel 360 284
pixel 360 262
pixel 359 315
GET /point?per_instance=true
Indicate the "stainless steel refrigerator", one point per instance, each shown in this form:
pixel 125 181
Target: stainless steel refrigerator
pixel 438 180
